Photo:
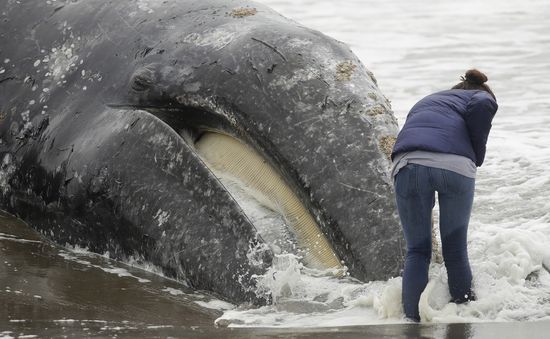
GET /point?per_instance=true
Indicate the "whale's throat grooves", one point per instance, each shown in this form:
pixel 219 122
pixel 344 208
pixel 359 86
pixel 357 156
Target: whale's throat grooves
pixel 227 156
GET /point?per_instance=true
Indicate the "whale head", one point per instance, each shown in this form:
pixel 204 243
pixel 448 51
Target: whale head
pixel 293 116
pixel 150 131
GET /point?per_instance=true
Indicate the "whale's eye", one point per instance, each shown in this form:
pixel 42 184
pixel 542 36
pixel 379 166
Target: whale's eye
pixel 142 79
pixel 233 161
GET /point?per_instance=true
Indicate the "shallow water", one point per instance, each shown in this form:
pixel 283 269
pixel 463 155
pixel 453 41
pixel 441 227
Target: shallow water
pixel 49 291
pixel 413 47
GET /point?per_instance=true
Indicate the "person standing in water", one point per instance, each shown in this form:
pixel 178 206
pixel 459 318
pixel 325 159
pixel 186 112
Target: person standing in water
pixel 438 150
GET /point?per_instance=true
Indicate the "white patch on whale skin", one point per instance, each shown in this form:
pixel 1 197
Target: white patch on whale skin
pixel 148 6
pixel 288 82
pixel 163 140
pixel 215 38
pixel 192 87
pixel 62 60
pixel 144 6
pixel 296 43
pixel 25 115
pixel 166 142
pixel 161 217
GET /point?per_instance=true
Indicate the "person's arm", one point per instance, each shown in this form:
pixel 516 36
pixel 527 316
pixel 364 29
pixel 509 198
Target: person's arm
pixel 479 114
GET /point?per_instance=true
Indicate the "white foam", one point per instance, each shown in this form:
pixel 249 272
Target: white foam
pixel 65 321
pixel 10 237
pixel 173 291
pixel 151 327
pixel 119 271
pixel 215 304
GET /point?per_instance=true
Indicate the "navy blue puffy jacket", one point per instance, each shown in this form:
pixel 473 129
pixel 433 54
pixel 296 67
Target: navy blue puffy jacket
pixel 455 121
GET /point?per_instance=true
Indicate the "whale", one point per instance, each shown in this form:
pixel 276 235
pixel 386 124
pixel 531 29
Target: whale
pixel 129 128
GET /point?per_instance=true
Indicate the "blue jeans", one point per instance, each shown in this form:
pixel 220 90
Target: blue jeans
pixel 415 187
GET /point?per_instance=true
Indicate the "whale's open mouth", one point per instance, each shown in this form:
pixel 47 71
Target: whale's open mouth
pixel 240 168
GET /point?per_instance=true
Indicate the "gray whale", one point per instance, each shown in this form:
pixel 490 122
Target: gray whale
pixel 103 104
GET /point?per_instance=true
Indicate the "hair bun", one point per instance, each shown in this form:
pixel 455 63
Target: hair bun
pixel 475 77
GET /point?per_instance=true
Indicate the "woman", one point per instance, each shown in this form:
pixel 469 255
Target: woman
pixel 439 149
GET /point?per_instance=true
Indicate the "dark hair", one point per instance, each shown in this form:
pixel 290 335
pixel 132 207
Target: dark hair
pixel 476 80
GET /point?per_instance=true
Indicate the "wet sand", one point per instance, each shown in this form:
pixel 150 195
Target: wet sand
pixel 49 291
pixel 45 288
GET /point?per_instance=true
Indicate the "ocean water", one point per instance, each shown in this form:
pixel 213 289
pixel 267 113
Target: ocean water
pixel 415 48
